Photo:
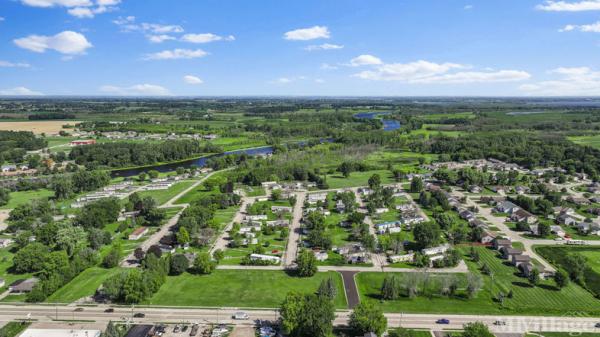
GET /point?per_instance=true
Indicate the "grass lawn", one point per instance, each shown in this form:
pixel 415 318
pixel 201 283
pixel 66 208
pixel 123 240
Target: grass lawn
pixel 337 180
pixel 6 262
pixel 543 299
pixel 85 284
pixel 239 288
pixel 23 197
pixel 419 333
pixel 562 334
pixel 593 141
pixel 557 255
pixel 162 196
pixel 12 329
pixel 195 194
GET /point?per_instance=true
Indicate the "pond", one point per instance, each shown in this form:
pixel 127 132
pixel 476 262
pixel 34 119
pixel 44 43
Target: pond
pixel 388 124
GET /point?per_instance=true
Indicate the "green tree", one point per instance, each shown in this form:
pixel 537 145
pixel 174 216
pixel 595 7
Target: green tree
pixel 63 187
pixel 327 289
pixel 203 264
pixel 218 255
pixel 179 264
pixel 390 290
pixel 374 182
pixel 534 276
pixel 368 318
pixel 561 278
pixel 4 196
pixel 113 257
pixel 427 234
pixel 31 258
pixel 476 329
pixel 416 185
pixel 307 263
pixel 183 236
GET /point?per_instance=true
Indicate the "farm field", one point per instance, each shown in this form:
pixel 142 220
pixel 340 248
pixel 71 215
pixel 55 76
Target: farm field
pixel 85 284
pixel 357 179
pixel 543 299
pixel 37 127
pixel 239 288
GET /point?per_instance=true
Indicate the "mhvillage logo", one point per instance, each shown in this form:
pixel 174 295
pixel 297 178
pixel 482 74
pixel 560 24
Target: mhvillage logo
pixel 574 323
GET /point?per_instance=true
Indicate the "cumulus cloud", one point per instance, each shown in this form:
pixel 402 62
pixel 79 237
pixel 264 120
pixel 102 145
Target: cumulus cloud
pixel 160 38
pixel 426 72
pixel 304 34
pixel 365 60
pixel 468 7
pixel 190 79
pixel 205 38
pixel 136 90
pixel 7 64
pixel 590 28
pixel 176 54
pixel 77 8
pixel 571 81
pixel 569 6
pixel 128 24
pixel 20 91
pixel 324 46
pixel 67 42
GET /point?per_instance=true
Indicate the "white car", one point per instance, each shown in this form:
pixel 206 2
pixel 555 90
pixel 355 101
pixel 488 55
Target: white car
pixel 240 315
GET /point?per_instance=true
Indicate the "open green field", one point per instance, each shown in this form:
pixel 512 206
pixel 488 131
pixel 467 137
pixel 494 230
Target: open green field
pixel 557 255
pixel 12 329
pixel 593 141
pixel 544 299
pixel 239 288
pixel 162 196
pixel 6 262
pixel 23 197
pixel 337 180
pixel 85 284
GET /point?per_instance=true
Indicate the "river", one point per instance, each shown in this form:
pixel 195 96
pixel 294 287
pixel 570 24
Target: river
pixel 388 124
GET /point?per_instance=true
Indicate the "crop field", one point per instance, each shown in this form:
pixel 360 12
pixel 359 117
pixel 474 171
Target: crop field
pixel 542 299
pixel 357 179
pixel 239 288
pixel 37 127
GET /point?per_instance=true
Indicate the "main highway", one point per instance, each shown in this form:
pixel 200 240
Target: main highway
pixel 98 314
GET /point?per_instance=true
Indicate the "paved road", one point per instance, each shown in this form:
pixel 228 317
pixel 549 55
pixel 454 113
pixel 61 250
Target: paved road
pixel 291 250
pixel 49 313
pixel 350 288
pixel 222 241
pixel 378 260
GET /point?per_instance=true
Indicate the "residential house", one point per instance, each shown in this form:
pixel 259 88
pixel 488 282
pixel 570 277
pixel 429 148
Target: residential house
pixel 138 233
pixel 499 243
pixel 409 219
pixel 382 228
pixel 321 255
pixel 279 223
pixel 589 228
pixel 316 197
pixel 402 258
pixel 491 200
pixel 521 190
pixel 466 215
pixel 381 210
pixel 567 219
pixel 23 286
pixel 281 209
pixel 557 230
pixel 405 208
pixel 436 250
pixel 261 257
pixel 508 252
pixel 259 217
pixel 4 242
pixel 475 189
pixel 499 189
pixel 518 260
pixel 506 207
pixel 477 223
pixel 521 215
pixel 487 237
pixel 578 201
pixel 9 168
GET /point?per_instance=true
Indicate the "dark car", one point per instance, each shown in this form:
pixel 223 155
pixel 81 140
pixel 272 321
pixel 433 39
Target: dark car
pixel 109 310
pixel 597 325
pixel 443 321
pixel 78 309
pixel 499 323
pixel 139 315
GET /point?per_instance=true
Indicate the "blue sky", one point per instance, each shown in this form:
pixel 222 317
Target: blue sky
pixel 300 47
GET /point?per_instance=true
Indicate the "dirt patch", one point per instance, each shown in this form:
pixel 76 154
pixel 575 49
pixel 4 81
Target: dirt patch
pixel 243 331
pixel 37 127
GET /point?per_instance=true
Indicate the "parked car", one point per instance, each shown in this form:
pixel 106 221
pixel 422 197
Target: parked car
pixel 597 325
pixel 442 321
pixel 109 310
pixel 177 329
pixel 499 323
pixel 139 315
pixel 240 315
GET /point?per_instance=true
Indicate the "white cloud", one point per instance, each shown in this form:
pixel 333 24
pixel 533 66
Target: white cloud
pixel 136 90
pixel 569 6
pixel 161 29
pixel 19 91
pixel 319 80
pixel 365 60
pixel 571 81
pixel 468 7
pixel 77 8
pixel 67 42
pixel 327 66
pixel 324 46
pixel 128 24
pixel 304 34
pixel 176 54
pixel 160 38
pixel 190 79
pixel 53 3
pixel 206 38
pixel 1 18
pixel 283 80
pixel 6 64
pixel 591 28
pixel 426 72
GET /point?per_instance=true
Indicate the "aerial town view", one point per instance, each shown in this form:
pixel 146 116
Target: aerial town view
pixel 314 168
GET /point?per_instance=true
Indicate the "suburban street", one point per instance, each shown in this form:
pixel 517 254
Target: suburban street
pixel 294 233
pixel 50 313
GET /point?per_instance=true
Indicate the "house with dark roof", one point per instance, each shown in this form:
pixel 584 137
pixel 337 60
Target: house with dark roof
pixel 518 260
pixel 23 286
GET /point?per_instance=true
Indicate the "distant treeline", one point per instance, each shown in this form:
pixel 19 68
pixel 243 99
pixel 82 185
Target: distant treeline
pixel 50 115
pixel 15 144
pixel 137 154
pixel 526 149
